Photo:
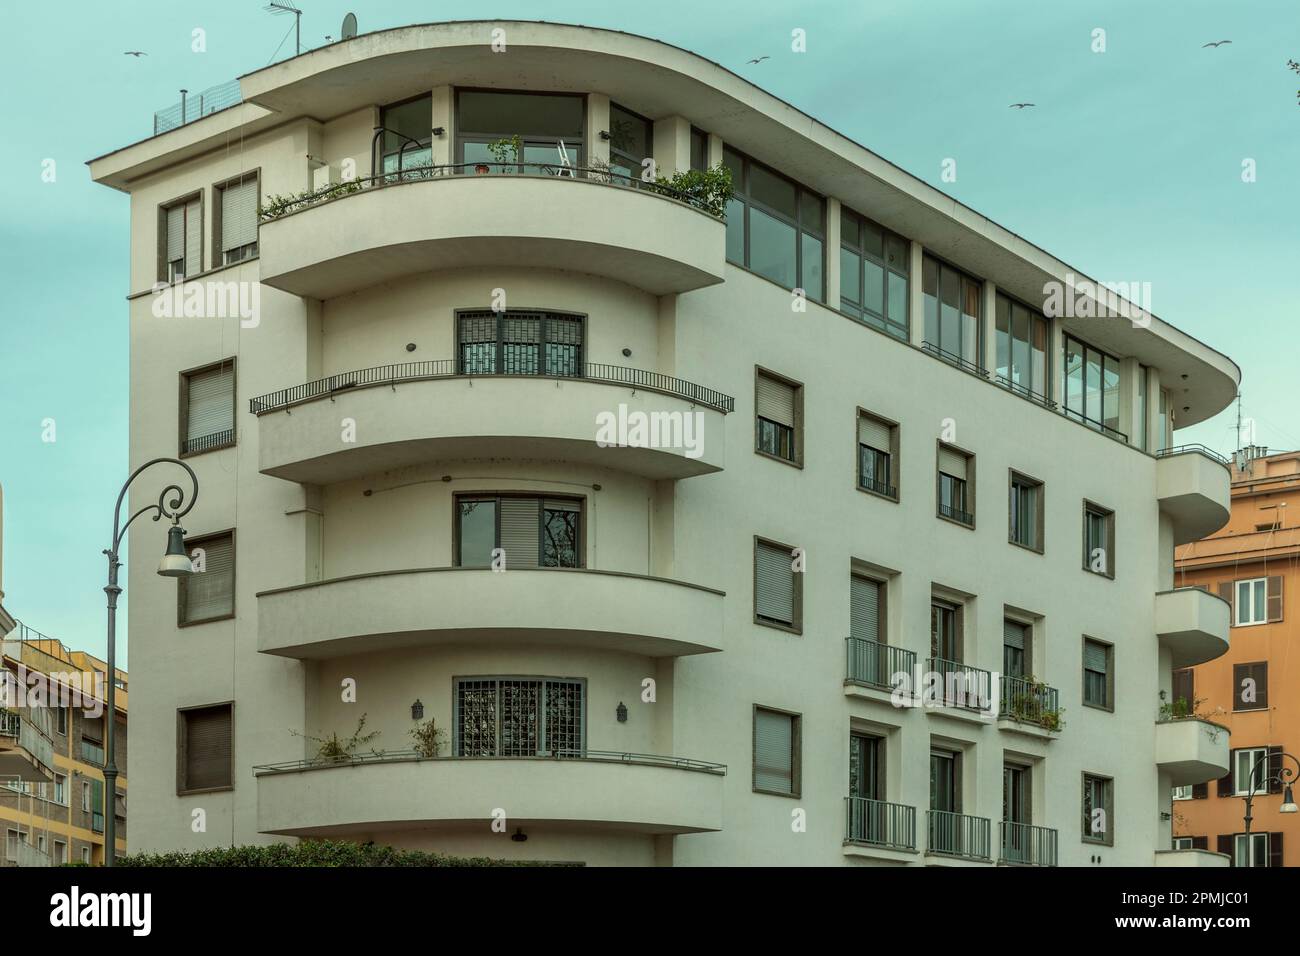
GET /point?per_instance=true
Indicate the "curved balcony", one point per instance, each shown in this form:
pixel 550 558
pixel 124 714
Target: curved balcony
pixel 1193 624
pixel 1192 751
pixel 1192 858
pixel 1194 487
pixel 420 412
pixel 26 752
pixel 630 792
pixel 366 232
pixel 654 617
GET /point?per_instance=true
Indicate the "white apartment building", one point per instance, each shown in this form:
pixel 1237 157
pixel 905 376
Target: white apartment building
pixel 416 504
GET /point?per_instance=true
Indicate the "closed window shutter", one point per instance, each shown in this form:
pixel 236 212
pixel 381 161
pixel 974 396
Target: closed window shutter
pixel 1225 592
pixel 873 433
pixel 1226 787
pixel 1224 845
pixel 774 584
pixel 175 233
pixel 773 751
pixel 1274 770
pixel 775 401
pixel 1200 791
pixel 1200 843
pixel 1094 656
pixel 211 403
pixel 864 609
pixel 1013 634
pixel 239 215
pixel 210 593
pixel 207 748
pixel 519 531
pixel 1275 849
pixel 193 238
pixel 951 463
pixel 1275 599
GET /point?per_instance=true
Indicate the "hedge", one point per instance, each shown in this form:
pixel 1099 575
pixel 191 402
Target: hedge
pixel 310 853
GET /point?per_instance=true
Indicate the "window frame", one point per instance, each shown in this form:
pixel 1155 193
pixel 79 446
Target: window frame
pixel 796 432
pixel 858 311
pixel 378 155
pixel 796 752
pixel 1255 617
pixel 971 364
pixel 456 742
pixel 967 484
pixel 541 500
pixel 181 594
pixel 164 265
pixel 623 154
pixel 1015 478
pixel 1258 754
pixel 894 455
pixel 796 627
pixel 498 353
pixel 1109 705
pixel 1101 511
pixel 464 137
pixel 182 754
pixel 218 188
pixel 1108 838
pixel 1083 416
pixel 1043 397
pixel 183 407
pixel 1243 670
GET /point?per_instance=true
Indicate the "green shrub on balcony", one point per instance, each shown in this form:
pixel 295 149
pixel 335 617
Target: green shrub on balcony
pixel 312 853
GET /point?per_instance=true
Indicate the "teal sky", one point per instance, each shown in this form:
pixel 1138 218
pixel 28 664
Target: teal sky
pixel 1128 168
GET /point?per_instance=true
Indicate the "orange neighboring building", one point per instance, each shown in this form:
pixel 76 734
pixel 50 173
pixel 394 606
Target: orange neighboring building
pixel 1253 562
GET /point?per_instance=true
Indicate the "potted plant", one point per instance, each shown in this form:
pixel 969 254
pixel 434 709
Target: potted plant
pixel 505 151
pixel 429 738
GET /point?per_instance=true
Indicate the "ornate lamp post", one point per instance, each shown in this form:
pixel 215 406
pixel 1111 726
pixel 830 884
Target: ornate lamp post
pixel 1284 778
pixel 175 563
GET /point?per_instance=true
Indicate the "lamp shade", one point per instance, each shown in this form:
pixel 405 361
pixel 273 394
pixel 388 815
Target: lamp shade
pixel 175 563
pixel 1288 801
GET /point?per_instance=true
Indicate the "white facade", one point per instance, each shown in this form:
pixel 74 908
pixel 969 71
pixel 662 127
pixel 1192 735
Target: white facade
pixel 327 495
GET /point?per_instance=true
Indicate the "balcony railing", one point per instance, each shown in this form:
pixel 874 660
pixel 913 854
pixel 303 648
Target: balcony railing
pixel 28 735
pixel 221 439
pixel 952 358
pixel 448 368
pixel 877 823
pixel 1094 424
pixel 963 685
pixel 874 664
pixel 1027 845
pixel 956 514
pixel 879 487
pixel 1194 447
pixel 24 854
pixel 92 751
pixel 955 834
pixel 394 756
pixel 1031 702
pixel 1024 392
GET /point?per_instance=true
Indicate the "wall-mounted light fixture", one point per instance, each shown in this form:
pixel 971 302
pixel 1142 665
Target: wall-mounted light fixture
pixel 604 134
pixel 621 712
pixel 438 131
pixel 410 346
pixel 627 353
pixel 519 836
pixel 417 710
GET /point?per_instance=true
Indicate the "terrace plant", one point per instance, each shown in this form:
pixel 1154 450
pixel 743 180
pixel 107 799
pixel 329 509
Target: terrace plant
pixel 429 738
pixel 334 748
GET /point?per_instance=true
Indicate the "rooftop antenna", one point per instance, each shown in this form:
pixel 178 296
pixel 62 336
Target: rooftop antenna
pixel 349 27
pixel 277 9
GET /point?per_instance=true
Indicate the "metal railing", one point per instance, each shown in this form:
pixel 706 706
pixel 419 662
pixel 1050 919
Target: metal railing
pixel 447 368
pixel 956 514
pixel 1024 392
pixel 1094 424
pixel 963 685
pixel 877 823
pixel 952 358
pixel 874 664
pixel 29 736
pixel 92 751
pixel 196 106
pixel 879 487
pixel 1027 845
pixel 398 756
pixel 1030 701
pixel 955 834
pixel 221 439
pixel 278 207
pixel 1194 447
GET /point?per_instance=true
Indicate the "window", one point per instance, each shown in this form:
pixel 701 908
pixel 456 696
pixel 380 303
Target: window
pixel 61 789
pixel 180 244
pixel 1164 422
pixel 85 855
pixel 407 136
pixel 1092 387
pixel 877 452
pixel 1244 764
pixel 873 274
pixel 1098 676
pixel 208 408
pixel 776 752
pixel 530 531
pixel 775 227
pixel 520 342
pixel 866 609
pixel 956 490
pixel 1255 599
pixel 1144 437
pixel 1183 843
pixel 631 142
pixel 945 782
pixel 778 417
pixel 85 796
pixel 235 225
pixel 60 852
pixel 1250 686
pixel 945 630
pixel 549 126
pixel 1021 350
pixel 778 588
pixel 61 720
pixel 1257 849
pixel 952 314
pixel 1098 809
pixel 1018 844
pixel 866 767
pixel 204 737
pixel 1182 793
pixel 519 717
pixel 1026 512
pixel 1098 540
pixel 12 839
pixel 699 149
pixel 1017 647
pixel 208 595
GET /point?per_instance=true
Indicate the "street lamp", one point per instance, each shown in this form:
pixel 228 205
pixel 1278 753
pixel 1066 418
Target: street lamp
pixel 175 563
pixel 1285 778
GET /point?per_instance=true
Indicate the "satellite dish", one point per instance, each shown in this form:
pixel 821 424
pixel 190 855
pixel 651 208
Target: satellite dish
pixel 349 26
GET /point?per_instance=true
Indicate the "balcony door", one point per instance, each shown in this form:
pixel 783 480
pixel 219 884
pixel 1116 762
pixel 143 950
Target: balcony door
pixel 946 832
pixel 945 636
pixel 1015 813
pixel 868 820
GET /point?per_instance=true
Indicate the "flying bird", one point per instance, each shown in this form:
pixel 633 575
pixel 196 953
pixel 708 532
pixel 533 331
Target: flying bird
pixel 1216 44
pixel 760 59
pixel 1019 106
pixel 135 53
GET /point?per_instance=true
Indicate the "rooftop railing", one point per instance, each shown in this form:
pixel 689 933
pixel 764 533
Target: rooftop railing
pixel 1194 447
pixel 195 106
pixel 402 756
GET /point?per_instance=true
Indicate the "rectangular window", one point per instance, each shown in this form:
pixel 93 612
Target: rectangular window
pixel 85 796
pixel 1184 692
pixel 1098 809
pixel 956 490
pixel 699 150
pixel 180 234
pixel 945 631
pixel 1144 437
pixel 1021 350
pixel 209 594
pixel 1026 512
pixel 520 342
pixel 866 609
pixel 61 789
pixel 530 531
pixel 945 781
pixel 1182 793
pixel 775 227
pixel 204 751
pixel 952 314
pixel 1092 387
pixel 866 767
pixel 776 752
pixel 778 417
pixel 1257 849
pixel 85 855
pixel 549 127
pixel 1017 794
pixel 408 134
pixel 1098 674
pixel 1248 761
pixel 1098 540
pixel 60 852
pixel 631 142
pixel 207 408
pixel 1250 686
pixel 61 720
pixel 877 452
pixel 520 717
pixel 236 219
pixel 873 274
pixel 1017 645
pixel 1251 602
pixel 778 589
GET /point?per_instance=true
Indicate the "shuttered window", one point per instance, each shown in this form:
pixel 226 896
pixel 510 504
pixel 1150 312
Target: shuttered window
pixel 1096 674
pixel 208 410
pixel 1098 809
pixel 531 532
pixel 182 240
pixel 1254 600
pixel 1015 649
pixel 208 594
pixel 955 498
pixel 776 408
pixel 1026 510
pixel 776 741
pixel 519 532
pixel 1250 686
pixel 876 456
pixel 866 621
pixel 520 342
pixel 952 463
pixel 776 589
pixel 205 738
pixel 1098 540
pixel 238 220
